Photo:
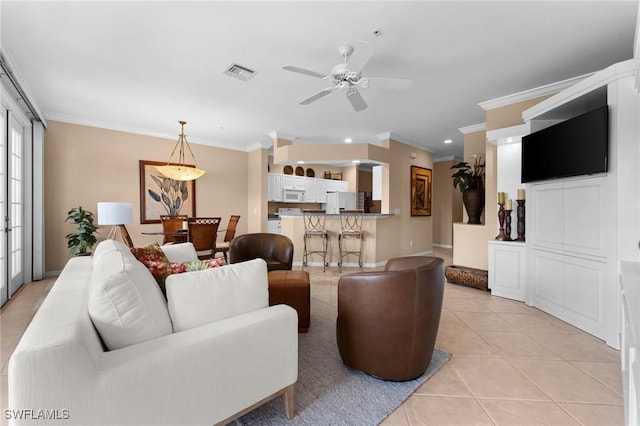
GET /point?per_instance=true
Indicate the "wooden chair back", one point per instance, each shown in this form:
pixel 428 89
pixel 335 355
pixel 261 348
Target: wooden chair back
pixel 202 234
pixel 231 228
pixel 173 224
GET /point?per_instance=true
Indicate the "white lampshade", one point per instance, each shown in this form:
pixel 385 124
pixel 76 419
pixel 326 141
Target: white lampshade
pixel 113 213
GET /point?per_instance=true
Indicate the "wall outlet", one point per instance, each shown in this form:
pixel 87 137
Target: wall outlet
pixel 397 211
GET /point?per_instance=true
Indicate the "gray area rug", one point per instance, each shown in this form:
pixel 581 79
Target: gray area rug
pixel 328 392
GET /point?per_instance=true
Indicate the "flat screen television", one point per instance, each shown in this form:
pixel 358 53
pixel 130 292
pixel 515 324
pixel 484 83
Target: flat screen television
pixel 578 146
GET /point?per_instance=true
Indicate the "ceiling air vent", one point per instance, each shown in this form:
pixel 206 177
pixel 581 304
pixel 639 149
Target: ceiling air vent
pixel 239 72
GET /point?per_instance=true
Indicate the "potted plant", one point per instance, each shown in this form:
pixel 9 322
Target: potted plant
pixel 469 178
pixel 81 241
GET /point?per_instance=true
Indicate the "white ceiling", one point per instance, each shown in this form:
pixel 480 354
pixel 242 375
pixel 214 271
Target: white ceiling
pixel 142 66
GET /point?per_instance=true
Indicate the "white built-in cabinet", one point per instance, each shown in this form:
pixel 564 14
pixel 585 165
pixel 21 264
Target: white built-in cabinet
pixel 315 189
pixel 507 269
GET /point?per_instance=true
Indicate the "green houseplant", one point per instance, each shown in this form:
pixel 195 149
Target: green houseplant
pixel 469 178
pixel 81 241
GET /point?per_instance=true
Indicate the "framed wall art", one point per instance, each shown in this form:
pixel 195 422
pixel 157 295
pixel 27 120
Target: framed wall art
pixel 160 195
pixel 420 191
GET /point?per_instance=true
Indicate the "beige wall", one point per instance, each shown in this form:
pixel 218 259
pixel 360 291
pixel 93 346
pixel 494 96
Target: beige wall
pixel 509 115
pixel 414 234
pixel 447 204
pixel 84 165
pixel 257 191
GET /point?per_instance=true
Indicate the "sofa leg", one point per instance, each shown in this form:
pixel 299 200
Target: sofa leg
pixel 289 404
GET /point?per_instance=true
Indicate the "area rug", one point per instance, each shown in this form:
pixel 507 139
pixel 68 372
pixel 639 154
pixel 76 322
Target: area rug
pixel 328 392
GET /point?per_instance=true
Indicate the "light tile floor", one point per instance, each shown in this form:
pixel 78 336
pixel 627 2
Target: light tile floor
pixel 511 364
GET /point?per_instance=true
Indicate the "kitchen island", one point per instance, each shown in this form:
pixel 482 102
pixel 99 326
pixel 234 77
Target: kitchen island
pixel 379 230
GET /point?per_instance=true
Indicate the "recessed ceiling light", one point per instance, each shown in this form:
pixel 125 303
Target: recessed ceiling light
pixel 348 140
pixel 448 141
pixel 301 162
pixel 355 161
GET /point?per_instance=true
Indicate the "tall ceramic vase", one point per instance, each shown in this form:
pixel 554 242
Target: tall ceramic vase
pixel 473 199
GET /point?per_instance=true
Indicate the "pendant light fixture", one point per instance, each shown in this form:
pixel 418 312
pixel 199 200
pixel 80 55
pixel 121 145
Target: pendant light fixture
pixel 181 171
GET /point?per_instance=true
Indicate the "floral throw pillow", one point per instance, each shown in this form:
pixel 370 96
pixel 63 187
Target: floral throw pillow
pixel 161 270
pixel 149 254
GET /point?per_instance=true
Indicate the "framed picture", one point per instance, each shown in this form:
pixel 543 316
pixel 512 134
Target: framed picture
pixel 160 195
pixel 420 191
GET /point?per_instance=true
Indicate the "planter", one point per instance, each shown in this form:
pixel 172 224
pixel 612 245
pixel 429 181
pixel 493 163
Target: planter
pixel 473 199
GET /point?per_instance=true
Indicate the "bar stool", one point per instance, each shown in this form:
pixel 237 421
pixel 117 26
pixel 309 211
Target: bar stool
pixel 351 224
pixel 314 228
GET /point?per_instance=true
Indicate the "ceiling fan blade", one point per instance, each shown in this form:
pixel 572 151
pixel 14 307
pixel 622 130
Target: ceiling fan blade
pixel 390 83
pixel 304 71
pixel 357 102
pixel 317 96
pixel 360 56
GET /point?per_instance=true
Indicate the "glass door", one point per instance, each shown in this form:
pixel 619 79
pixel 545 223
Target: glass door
pixel 15 210
pixel 4 287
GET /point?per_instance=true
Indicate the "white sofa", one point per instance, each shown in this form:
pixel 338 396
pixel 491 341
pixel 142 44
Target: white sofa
pixel 60 373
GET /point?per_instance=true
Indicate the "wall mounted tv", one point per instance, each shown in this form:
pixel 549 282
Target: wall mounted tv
pixel 578 146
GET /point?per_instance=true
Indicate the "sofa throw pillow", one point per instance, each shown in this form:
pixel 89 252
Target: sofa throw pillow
pixel 178 253
pixel 125 303
pixel 161 270
pixel 197 298
pixel 149 254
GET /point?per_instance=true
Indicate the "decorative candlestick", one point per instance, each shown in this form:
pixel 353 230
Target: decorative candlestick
pixel 507 225
pixel 520 216
pixel 501 215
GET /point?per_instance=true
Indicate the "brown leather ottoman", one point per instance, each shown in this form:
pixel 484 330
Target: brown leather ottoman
pixel 292 288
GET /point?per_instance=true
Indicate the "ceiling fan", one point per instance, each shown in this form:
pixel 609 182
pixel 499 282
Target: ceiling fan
pixel 346 77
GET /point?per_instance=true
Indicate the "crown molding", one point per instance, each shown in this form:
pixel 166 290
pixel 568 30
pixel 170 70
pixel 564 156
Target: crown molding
pixel 444 158
pixel 473 128
pixel 119 127
pixel 277 134
pixel 500 136
pixel 395 137
pixel 628 68
pixel 537 92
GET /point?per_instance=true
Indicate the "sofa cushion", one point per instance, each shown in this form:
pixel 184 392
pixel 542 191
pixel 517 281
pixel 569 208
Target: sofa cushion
pixel 197 298
pixel 125 302
pixel 161 270
pixel 179 253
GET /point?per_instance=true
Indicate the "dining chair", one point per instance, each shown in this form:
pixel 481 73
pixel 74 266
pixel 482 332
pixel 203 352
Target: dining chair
pixel 173 224
pixel 223 246
pixel 125 236
pixel 202 234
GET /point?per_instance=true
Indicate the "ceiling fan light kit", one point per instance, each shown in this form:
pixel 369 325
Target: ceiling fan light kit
pixel 181 171
pixel 347 77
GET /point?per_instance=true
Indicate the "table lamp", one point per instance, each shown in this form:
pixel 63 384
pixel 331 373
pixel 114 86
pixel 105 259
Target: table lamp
pixel 114 213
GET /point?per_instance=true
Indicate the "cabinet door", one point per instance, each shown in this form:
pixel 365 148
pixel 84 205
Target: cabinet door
pixel 343 185
pixel 289 181
pixel 310 190
pixel 270 190
pixel 277 186
pixel 507 270
pixel 321 190
pixel 332 185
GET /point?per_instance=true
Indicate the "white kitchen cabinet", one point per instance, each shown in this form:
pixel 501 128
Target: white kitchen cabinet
pixel 507 264
pixel 630 345
pixel 321 190
pixel 274 226
pixel 337 185
pixel 275 186
pixel 310 190
pixel 294 182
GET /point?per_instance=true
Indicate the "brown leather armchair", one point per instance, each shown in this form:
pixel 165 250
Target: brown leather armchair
pixel 275 249
pixel 388 320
